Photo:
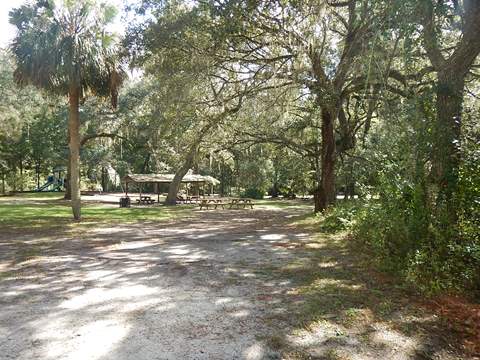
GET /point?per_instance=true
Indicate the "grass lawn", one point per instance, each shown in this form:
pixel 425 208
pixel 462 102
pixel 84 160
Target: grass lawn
pixel 43 211
pixel 32 211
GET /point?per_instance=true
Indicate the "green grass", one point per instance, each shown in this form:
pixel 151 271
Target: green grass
pixel 36 211
pixel 33 196
pixel 44 211
pixel 335 219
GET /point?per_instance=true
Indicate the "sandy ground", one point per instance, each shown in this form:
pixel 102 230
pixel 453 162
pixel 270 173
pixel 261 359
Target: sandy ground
pixel 189 289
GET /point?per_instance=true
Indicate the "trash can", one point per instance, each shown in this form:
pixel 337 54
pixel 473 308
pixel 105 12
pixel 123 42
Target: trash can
pixel 125 202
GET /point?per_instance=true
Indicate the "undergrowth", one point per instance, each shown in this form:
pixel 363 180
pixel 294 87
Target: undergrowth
pixel 406 239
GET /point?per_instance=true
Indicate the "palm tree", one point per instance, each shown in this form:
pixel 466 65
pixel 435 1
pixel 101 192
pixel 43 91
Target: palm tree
pixel 62 46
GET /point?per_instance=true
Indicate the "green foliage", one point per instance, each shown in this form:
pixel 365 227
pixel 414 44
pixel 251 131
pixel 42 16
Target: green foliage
pixel 253 193
pixel 402 220
pixel 406 240
pixel 432 258
pixel 32 132
pixel 409 237
pixel 339 217
pixel 75 31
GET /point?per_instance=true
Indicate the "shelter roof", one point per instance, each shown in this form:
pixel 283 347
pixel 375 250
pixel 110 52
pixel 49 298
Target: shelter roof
pixel 168 178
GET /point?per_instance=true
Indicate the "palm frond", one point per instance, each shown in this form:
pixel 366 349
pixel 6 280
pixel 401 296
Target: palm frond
pixel 60 43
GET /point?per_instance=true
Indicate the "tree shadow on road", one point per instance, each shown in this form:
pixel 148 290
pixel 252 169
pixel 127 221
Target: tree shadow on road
pixel 243 284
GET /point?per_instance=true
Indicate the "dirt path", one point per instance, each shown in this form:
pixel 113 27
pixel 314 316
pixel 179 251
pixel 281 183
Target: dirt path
pixel 224 285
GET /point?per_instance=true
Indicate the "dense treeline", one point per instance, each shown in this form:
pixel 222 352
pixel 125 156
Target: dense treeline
pixel 376 101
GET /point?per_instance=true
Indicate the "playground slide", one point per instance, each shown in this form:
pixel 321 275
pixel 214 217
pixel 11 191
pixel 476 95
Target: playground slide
pixel 45 186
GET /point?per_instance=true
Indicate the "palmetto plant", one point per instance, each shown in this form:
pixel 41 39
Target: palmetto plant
pixel 62 46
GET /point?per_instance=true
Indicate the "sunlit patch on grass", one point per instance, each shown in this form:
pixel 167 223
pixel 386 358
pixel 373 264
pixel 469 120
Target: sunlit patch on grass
pixel 28 216
pixel 33 196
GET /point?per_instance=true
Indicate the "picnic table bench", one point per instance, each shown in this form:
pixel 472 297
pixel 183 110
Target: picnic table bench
pixel 187 199
pixel 237 203
pixel 145 200
pixel 232 203
pixel 207 203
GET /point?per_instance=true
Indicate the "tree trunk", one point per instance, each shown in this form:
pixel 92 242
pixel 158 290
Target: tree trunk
pixel 222 179
pixel 3 183
pixel 68 190
pixel 350 190
pixel 145 164
pixel 350 183
pixel 74 145
pixel 21 175
pixel 177 180
pixel 316 200
pixel 325 194
pixel 104 179
pixel 317 168
pixel 14 179
pixel 37 169
pixel 451 74
pixel 275 191
pixel 446 147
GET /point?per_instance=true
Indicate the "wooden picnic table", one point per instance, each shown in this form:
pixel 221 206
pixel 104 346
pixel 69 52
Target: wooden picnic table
pixel 236 203
pixel 145 200
pixel 187 199
pixel 206 203
pixel 241 202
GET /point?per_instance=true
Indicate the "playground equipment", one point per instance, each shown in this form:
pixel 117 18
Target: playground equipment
pixel 55 182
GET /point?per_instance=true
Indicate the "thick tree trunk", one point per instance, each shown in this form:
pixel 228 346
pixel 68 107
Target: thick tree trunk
pixel 446 147
pixel 74 144
pixel 451 73
pixel 177 180
pixel 316 200
pixel 326 191
pixel 3 183
pixel 317 167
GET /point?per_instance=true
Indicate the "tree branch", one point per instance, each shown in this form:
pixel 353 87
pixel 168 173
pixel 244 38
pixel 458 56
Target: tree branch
pixel 87 138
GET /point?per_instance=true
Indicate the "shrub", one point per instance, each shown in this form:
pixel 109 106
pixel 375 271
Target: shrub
pixel 339 217
pixel 412 241
pixel 253 193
